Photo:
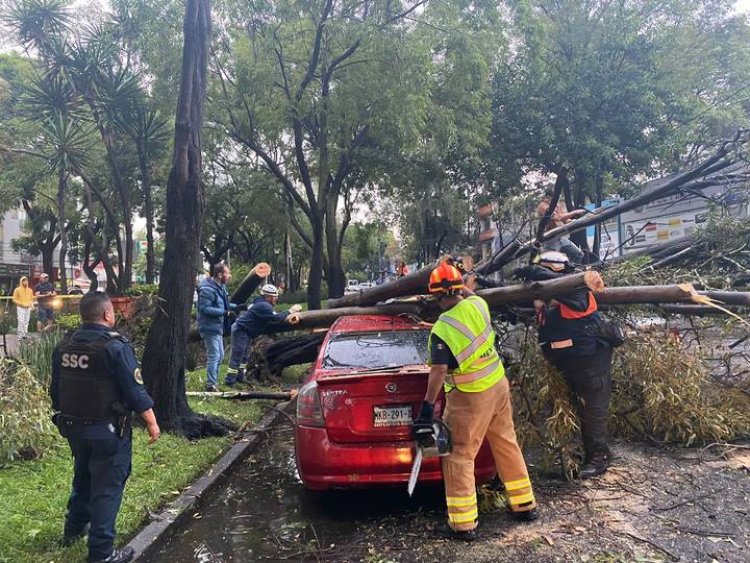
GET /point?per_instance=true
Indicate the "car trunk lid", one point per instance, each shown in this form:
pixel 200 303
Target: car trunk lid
pixel 377 406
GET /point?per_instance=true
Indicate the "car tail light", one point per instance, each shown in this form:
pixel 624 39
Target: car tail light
pixel 309 409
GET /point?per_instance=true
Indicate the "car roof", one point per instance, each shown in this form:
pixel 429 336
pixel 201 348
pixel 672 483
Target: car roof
pixel 374 323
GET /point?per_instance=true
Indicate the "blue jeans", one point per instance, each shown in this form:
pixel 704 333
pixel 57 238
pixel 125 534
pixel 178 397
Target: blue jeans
pixel 215 352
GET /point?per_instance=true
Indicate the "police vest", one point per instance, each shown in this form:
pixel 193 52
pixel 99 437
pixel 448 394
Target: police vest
pixel 87 389
pixel 467 330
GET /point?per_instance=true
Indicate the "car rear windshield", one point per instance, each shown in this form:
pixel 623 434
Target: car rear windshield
pixel 377 349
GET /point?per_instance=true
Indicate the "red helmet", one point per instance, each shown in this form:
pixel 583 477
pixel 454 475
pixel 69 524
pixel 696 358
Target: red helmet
pixel 445 279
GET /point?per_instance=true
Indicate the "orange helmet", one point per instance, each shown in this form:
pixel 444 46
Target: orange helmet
pixel 446 279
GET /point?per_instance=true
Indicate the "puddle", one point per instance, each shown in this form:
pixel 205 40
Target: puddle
pixel 263 513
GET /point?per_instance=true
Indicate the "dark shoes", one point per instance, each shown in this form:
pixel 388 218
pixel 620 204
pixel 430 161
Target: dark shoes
pixel 117 556
pixel 445 531
pixel 526 515
pixel 595 466
pixel 211 388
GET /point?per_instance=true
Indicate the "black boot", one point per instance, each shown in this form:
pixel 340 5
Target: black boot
pixel 595 466
pixel 445 531
pixel 526 515
pixel 117 556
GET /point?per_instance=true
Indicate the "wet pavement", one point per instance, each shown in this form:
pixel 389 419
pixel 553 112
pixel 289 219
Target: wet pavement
pixel 263 513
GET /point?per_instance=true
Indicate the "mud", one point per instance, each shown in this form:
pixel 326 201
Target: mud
pixel 653 505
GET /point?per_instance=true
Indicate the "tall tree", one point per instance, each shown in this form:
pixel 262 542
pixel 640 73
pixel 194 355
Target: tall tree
pixel 602 88
pixel 164 354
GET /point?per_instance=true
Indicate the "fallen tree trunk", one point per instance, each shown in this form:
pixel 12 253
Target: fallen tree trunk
pixel 655 294
pixel 711 172
pixel 410 284
pixel 246 395
pixel 248 285
pixel 325 317
pixel 524 293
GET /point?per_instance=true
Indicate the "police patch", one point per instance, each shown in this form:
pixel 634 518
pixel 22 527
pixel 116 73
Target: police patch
pixel 137 376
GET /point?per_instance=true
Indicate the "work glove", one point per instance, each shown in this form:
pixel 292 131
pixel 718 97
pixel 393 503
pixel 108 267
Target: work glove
pixel 421 428
pixel 295 309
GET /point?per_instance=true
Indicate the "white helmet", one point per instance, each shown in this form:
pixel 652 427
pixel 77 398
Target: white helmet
pixel 269 289
pixel 554 260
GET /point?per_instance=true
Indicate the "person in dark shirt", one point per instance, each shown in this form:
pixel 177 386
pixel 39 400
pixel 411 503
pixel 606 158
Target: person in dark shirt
pixel 45 293
pixel 96 384
pixel 570 340
pixel 260 318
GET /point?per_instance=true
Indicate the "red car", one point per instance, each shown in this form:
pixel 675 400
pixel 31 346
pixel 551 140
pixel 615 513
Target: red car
pixel 354 411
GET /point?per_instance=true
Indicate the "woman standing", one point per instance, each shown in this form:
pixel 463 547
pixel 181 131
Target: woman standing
pixel 23 297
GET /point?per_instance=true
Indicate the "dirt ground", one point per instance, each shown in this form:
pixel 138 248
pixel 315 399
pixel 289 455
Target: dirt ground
pixel 653 505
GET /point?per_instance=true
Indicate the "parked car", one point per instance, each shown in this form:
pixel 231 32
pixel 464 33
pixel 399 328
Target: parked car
pixel 355 409
pixel 352 286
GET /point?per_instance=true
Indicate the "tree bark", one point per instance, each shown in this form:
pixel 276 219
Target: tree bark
pixel 164 355
pixel 425 309
pixel 148 207
pixel 253 279
pixel 411 284
pixel 62 185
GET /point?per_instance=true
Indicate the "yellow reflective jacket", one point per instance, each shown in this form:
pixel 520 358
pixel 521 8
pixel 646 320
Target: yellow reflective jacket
pixel 467 330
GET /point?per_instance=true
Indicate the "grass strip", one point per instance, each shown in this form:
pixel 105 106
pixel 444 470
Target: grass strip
pixel 34 494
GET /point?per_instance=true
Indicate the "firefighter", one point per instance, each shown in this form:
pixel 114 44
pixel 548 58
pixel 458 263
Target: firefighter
pixel 465 363
pixel 95 385
pixel 571 341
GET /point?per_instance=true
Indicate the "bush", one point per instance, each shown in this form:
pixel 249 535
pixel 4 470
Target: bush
pixel 68 322
pixel 26 429
pixel 37 355
pixel 144 289
pixel 660 392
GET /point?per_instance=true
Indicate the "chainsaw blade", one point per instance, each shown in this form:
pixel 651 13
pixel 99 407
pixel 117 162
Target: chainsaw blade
pixel 416 466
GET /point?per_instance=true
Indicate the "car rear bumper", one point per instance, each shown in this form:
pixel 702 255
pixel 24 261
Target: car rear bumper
pixel 323 464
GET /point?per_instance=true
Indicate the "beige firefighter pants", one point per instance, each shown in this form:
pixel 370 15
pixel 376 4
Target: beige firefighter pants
pixel 471 417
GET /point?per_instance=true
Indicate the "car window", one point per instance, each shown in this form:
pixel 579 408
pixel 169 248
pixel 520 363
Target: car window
pixel 377 349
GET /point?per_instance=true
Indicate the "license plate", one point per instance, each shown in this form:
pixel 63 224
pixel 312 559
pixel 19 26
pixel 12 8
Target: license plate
pixel 398 415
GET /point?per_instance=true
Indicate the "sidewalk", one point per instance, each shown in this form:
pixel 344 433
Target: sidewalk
pixel 11 341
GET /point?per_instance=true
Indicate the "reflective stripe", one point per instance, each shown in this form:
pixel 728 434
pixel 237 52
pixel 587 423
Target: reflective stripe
pixel 517 485
pixel 478 342
pixel 520 499
pixel 459 326
pixel 232 370
pixel 461 501
pixel 475 375
pixel 482 312
pixel 463 518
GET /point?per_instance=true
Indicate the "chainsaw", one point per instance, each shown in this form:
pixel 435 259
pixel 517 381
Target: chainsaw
pixel 437 443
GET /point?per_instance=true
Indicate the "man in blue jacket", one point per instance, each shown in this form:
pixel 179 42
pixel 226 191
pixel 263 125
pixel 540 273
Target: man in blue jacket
pixel 214 311
pixel 260 318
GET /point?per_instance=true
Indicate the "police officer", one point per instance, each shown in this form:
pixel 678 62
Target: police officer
pixel 96 384
pixel 571 341
pixel 465 363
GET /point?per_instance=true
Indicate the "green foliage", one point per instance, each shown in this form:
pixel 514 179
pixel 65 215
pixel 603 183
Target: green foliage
pixel 67 322
pixel 37 355
pixel 142 290
pixel 613 89
pixel 661 391
pixel 26 429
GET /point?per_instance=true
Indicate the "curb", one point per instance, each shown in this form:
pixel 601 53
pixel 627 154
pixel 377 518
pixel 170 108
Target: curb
pixel 176 511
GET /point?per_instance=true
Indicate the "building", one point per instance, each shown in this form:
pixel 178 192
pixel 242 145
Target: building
pixel 14 265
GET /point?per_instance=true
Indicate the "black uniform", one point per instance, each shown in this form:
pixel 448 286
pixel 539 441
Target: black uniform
pixel 571 341
pixel 96 383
